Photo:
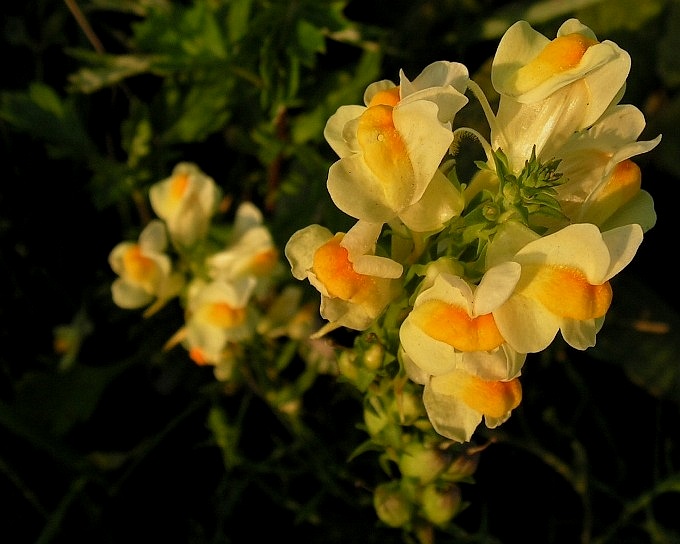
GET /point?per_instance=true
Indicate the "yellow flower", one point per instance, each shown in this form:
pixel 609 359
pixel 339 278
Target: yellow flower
pixel 355 284
pixel 551 89
pixel 186 201
pixel 564 282
pixel 391 149
pixel 456 403
pixel 218 314
pixel 251 252
pixel 603 184
pixel 451 326
pixel 144 270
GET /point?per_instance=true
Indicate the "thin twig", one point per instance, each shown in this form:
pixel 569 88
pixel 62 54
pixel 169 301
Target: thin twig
pixel 84 25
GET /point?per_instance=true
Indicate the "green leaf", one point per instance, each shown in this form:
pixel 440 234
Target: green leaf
pixel 201 111
pixel 186 33
pixel 106 70
pixel 226 436
pixel 237 19
pixel 311 41
pixel 612 15
pixel 534 13
pixel 43 114
pixel 57 401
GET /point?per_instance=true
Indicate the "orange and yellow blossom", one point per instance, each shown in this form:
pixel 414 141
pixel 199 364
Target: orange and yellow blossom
pixel 551 89
pixel 144 270
pixel 355 284
pixel 186 201
pixel 603 184
pixel 391 149
pixel 564 282
pixel 217 315
pixel 450 343
pixel 251 251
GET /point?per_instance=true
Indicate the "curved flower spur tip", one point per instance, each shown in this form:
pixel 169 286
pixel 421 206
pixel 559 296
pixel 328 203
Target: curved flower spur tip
pixel 456 403
pixel 529 67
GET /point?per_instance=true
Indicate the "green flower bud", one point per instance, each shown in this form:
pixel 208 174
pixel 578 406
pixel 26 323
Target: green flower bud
pixel 347 365
pixel 440 504
pixel 462 467
pixel 375 420
pixel 511 194
pixel 490 212
pixel 373 357
pixel 408 406
pixel 422 462
pixel 391 504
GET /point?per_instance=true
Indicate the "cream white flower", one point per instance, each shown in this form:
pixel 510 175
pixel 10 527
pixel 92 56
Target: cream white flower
pixel 355 284
pixel 218 314
pixel 451 326
pixel 457 401
pixel 564 282
pixel 252 250
pixel 603 184
pixel 186 201
pixel 550 89
pixel 391 149
pixel 144 270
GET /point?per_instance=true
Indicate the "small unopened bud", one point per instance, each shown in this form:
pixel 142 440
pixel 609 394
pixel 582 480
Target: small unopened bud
pixel 462 467
pixel 422 462
pixel 440 504
pixel 347 365
pixel 409 406
pixel 511 194
pixel 375 420
pixel 490 212
pixel 373 357
pixel 391 504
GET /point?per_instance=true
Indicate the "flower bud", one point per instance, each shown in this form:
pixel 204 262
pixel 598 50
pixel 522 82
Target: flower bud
pixel 422 462
pixel 462 467
pixel 440 504
pixel 347 365
pixel 373 357
pixel 391 504
pixel 409 406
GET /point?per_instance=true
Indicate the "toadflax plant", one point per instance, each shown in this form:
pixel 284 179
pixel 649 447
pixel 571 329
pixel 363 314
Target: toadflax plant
pixel 454 281
pixel 448 279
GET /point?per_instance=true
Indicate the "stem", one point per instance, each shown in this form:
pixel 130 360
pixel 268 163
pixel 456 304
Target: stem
pixel 84 24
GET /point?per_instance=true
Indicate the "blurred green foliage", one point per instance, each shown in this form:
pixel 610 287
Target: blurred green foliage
pixel 117 440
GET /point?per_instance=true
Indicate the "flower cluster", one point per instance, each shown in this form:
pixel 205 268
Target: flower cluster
pixel 226 278
pixel 459 279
